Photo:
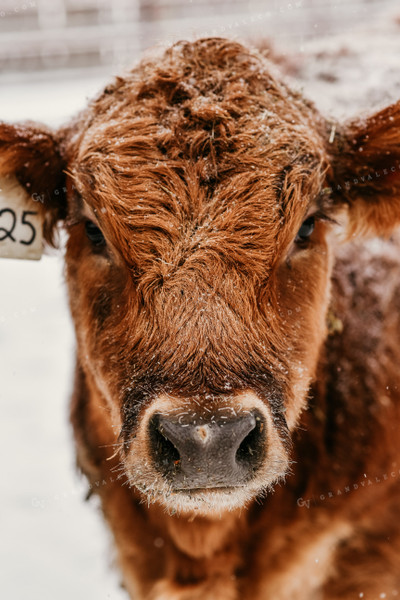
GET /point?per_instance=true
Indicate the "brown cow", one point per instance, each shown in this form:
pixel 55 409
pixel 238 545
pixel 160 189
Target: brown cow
pixel 204 206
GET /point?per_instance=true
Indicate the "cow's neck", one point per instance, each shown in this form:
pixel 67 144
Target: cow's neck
pixel 202 537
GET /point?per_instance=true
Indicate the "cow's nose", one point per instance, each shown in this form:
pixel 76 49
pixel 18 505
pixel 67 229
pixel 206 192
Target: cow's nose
pixel 207 453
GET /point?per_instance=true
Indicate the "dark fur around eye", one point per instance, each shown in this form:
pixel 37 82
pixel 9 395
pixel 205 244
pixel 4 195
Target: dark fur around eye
pixel 94 234
pixel 306 230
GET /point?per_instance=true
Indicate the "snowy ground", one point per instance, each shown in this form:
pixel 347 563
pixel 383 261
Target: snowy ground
pixel 52 544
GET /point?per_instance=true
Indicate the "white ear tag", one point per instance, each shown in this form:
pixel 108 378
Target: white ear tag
pixel 21 223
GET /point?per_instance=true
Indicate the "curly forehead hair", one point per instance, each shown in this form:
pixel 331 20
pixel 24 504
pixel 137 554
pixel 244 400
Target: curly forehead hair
pixel 192 132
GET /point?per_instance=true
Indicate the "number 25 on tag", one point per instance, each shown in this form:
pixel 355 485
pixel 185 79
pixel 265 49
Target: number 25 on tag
pixel 20 222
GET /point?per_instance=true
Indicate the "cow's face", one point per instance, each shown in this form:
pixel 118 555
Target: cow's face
pixel 198 266
pixel 198 263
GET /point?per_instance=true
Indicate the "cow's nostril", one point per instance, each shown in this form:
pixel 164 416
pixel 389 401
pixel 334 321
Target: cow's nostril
pixel 165 453
pixel 250 450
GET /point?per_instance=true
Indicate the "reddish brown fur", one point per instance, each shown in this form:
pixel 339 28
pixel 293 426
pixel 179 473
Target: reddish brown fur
pixel 200 168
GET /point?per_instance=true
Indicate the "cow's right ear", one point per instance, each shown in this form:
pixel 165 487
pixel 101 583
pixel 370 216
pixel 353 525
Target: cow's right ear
pixel 31 153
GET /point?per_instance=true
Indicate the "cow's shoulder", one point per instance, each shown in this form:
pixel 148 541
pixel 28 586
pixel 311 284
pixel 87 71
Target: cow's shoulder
pixel 355 401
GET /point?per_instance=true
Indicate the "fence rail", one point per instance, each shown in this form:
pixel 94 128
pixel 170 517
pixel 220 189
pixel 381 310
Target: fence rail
pixel 40 35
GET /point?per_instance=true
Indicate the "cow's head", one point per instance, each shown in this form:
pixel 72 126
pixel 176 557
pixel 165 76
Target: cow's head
pixel 201 199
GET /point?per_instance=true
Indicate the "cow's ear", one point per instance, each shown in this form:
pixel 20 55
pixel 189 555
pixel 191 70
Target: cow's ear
pixel 31 153
pixel 365 158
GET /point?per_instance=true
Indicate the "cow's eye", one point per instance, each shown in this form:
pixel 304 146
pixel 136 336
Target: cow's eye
pixel 94 234
pixel 306 230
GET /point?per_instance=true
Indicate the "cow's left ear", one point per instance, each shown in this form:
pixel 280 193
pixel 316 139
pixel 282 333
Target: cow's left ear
pixel 365 173
pixel 31 153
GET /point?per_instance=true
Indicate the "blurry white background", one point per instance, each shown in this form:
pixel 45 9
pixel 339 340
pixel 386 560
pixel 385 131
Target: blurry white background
pixel 54 54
